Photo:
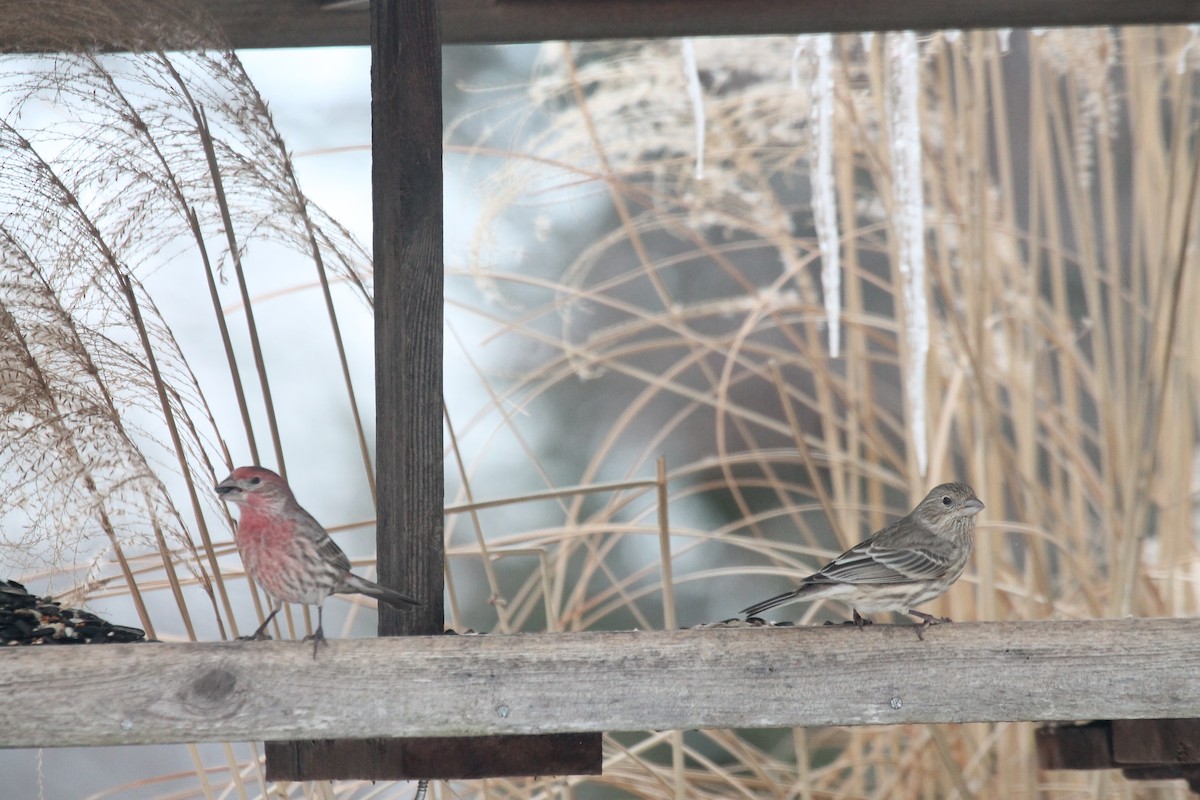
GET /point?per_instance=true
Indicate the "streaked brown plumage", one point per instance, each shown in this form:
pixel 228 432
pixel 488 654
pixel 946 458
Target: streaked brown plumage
pixel 910 562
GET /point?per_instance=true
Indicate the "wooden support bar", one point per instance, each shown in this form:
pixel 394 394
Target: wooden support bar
pixel 308 23
pixel 444 757
pixel 1143 749
pixel 1086 746
pixel 406 178
pixel 427 686
pixel 1147 742
pixel 489 21
pixel 436 757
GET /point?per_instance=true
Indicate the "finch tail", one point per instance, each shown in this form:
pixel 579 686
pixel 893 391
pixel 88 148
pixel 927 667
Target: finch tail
pixel 770 602
pixel 381 593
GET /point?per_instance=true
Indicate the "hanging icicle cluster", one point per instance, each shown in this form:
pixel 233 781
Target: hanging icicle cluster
pixel 824 200
pixel 908 222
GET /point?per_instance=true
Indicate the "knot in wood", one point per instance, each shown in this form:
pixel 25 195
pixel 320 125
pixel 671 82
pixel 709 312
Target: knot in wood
pixel 213 687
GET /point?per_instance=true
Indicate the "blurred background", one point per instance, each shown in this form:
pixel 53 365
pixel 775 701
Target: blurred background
pixel 815 276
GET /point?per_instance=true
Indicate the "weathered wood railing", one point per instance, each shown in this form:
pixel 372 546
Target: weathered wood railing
pixel 541 683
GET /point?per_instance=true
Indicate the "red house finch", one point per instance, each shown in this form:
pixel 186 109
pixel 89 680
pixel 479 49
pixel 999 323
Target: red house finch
pixel 910 562
pixel 287 552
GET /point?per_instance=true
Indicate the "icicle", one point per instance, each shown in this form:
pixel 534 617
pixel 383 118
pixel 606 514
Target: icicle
pixel 798 51
pixel 824 198
pixel 952 35
pixel 1193 34
pixel 868 38
pixel 908 220
pixel 694 93
pixel 1004 37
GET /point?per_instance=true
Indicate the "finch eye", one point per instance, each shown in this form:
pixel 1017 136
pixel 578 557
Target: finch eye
pixel 946 501
pixel 257 481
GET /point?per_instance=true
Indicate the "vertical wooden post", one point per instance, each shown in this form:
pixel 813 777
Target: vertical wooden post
pixel 406 170
pixel 406 142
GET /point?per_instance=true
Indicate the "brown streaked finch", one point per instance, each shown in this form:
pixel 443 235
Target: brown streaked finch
pixel 910 562
pixel 288 553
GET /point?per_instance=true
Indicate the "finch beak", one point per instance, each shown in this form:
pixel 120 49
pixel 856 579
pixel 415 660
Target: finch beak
pixel 970 508
pixel 227 486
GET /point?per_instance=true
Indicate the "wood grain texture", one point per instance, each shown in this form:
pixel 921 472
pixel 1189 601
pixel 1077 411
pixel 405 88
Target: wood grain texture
pixel 543 683
pixel 406 176
pixel 309 23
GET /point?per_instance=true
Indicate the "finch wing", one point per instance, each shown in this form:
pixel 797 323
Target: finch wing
pixel 873 563
pixel 327 548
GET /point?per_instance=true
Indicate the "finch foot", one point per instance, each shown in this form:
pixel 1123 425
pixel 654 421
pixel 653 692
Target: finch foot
pixel 926 621
pixel 860 621
pixel 318 636
pixel 261 634
pixel 318 639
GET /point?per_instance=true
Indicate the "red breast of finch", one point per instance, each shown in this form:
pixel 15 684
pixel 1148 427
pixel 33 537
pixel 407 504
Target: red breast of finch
pixel 910 562
pixel 287 552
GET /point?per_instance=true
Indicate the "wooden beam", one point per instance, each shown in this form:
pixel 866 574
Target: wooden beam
pixel 1143 749
pixel 1156 741
pixel 489 21
pixel 311 23
pixel 652 680
pixel 437 757
pixel 1086 746
pixel 406 179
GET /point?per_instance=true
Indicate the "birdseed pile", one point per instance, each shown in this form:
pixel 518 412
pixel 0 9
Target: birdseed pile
pixel 26 619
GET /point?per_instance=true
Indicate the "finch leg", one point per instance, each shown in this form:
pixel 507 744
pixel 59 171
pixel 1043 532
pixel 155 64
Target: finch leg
pixel 261 634
pixel 860 621
pixel 926 621
pixel 318 637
